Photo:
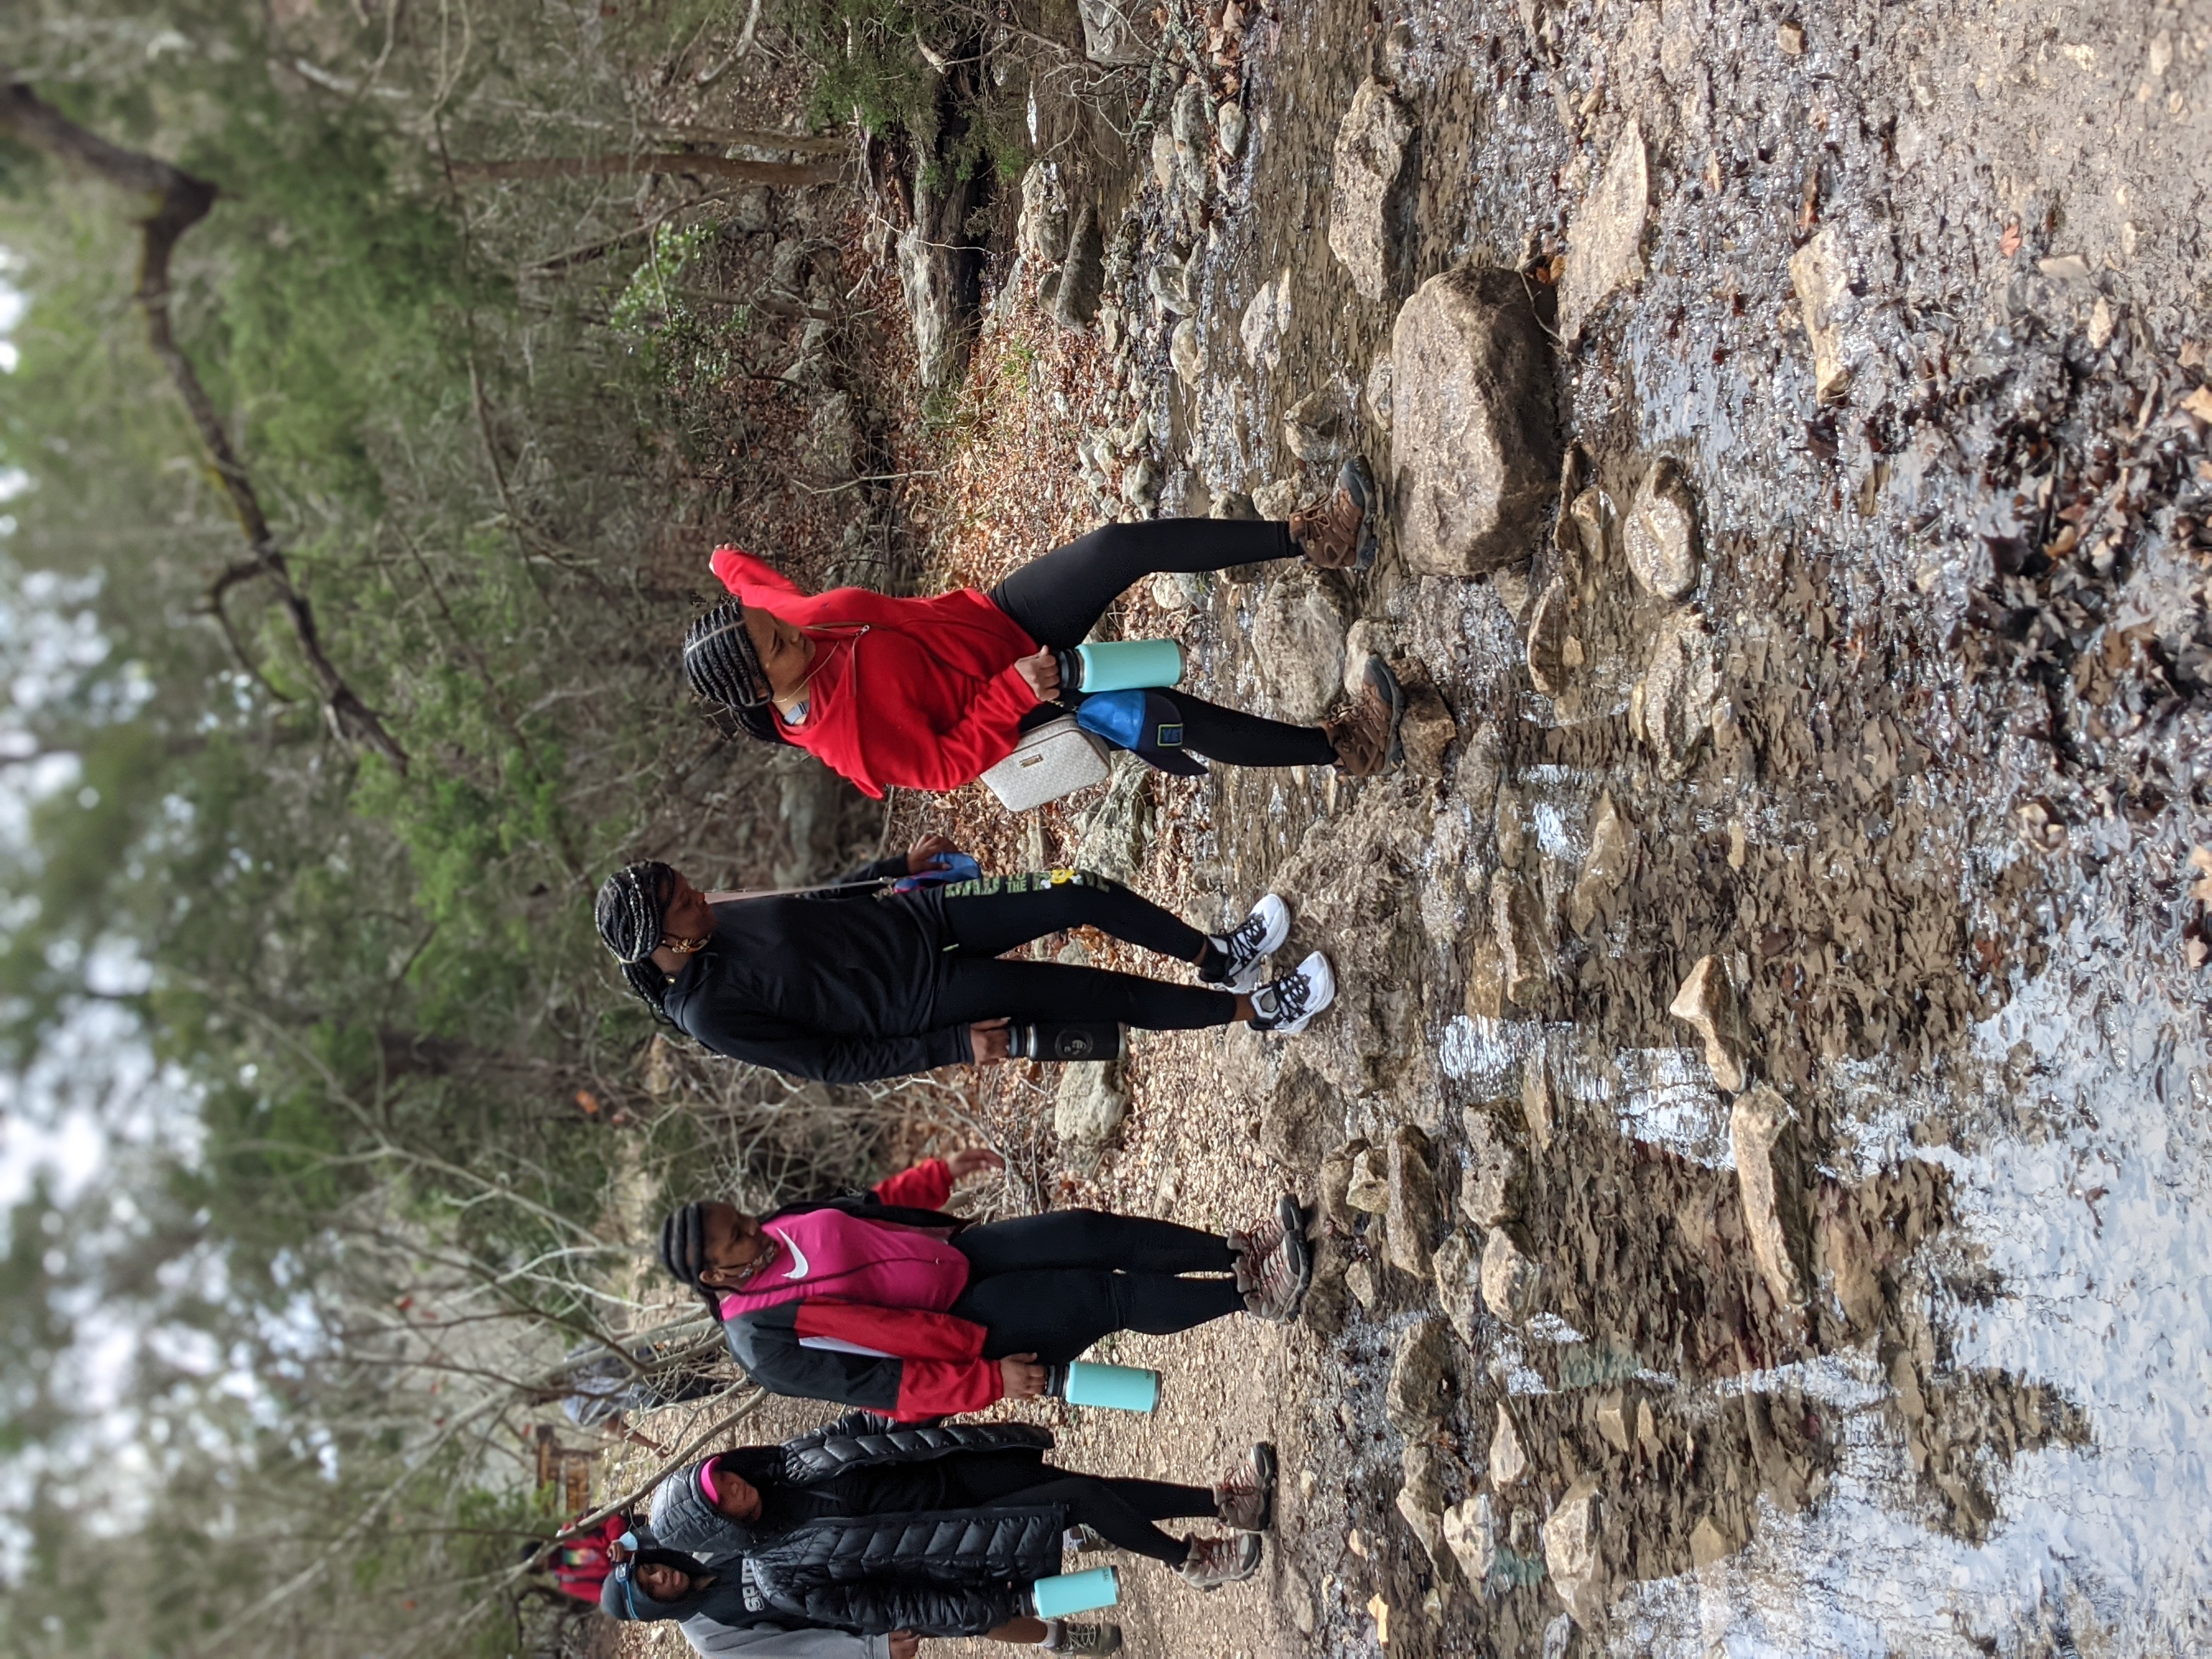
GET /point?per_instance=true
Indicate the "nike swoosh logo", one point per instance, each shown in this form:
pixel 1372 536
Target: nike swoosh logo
pixel 799 1265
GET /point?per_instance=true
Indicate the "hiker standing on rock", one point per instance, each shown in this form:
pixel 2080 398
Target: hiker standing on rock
pixel 932 693
pixel 882 1531
pixel 855 983
pixel 886 1303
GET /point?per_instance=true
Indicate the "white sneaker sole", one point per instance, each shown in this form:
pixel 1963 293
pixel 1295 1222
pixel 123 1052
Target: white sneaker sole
pixel 1277 916
pixel 1315 968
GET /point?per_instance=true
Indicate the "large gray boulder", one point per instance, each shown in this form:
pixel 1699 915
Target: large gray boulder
pixel 1473 444
pixel 1370 153
pixel 1298 642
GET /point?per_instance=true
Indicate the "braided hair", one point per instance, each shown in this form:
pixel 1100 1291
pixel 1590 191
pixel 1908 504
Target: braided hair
pixel 632 913
pixel 725 671
pixel 683 1252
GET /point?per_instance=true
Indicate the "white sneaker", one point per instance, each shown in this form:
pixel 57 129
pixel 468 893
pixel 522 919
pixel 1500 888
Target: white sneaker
pixel 1288 1005
pixel 1248 944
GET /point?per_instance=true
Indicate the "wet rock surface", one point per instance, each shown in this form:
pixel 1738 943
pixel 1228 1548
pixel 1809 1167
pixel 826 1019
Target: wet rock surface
pixel 1949 556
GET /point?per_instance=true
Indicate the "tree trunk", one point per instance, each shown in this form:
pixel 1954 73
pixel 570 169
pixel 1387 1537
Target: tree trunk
pixel 793 175
pixel 175 202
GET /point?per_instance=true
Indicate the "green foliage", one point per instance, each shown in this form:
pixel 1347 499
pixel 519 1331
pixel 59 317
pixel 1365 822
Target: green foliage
pixel 676 336
pixel 866 65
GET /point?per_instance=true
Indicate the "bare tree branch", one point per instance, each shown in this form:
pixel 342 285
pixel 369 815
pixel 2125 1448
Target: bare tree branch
pixel 789 175
pixel 176 201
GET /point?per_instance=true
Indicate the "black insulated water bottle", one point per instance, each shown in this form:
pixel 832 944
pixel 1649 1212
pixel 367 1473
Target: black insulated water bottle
pixel 1069 1040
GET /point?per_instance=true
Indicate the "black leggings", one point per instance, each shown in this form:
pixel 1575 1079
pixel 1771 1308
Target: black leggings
pixel 1122 1511
pixel 998 913
pixel 1058 598
pixel 1052 1285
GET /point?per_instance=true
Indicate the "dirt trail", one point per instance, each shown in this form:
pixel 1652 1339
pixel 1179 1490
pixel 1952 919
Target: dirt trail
pixel 1927 798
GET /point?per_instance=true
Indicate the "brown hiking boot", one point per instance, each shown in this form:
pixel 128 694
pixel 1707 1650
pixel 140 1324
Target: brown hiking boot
pixel 1214 1562
pixel 1245 1497
pixel 1281 1277
pixel 1366 734
pixel 1336 534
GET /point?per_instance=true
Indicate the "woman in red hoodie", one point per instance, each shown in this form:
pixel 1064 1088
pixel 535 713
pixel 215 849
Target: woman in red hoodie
pixel 932 693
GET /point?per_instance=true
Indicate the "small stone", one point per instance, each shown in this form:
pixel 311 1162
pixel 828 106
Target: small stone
pixel 1457 1270
pixel 1510 1279
pixel 1168 592
pixel 1170 285
pixel 1616 1421
pixel 1139 485
pixel 1508 1460
pixel 1276 500
pixel 1233 504
pixel 1369 1187
pixel 1757 1123
pixel 1164 157
pixel 1082 273
pixel 1089 1106
pixel 1493 1177
pixel 1475 444
pixel 1789 35
pixel 1267 319
pixel 1605 247
pixel 1414 1210
pixel 1377 394
pixel 1470 1531
pixel 1370 153
pixel 1336 1177
pixel 1571 1553
pixel 2100 325
pixel 1426 727
pixel 1421 1497
pixel 1821 276
pixel 1109 327
pixel 1311 428
pixel 1612 855
pixel 1660 534
pixel 1550 631
pixel 1191 123
pixel 1184 354
pixel 1524 952
pixel 1360 1279
pixel 1413 1398
pixel 1042 231
pixel 1706 1004
pixel 1678 695
pixel 1229 129
pixel 1536 1101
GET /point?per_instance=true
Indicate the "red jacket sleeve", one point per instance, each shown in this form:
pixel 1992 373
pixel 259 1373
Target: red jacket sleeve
pixel 925 1187
pixel 942 1371
pixel 983 736
pixel 739 570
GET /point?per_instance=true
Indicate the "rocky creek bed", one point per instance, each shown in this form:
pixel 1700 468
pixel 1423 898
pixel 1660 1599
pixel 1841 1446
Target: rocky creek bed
pixel 1762 1146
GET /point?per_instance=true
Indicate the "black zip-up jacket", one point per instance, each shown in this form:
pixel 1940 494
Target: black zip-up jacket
pixel 837 987
pixel 936 1572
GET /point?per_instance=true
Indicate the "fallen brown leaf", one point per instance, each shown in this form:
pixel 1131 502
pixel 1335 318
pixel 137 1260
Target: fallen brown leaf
pixel 2199 404
pixel 2009 244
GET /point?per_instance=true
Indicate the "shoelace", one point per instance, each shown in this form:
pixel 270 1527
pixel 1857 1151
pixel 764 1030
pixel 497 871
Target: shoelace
pixel 1288 999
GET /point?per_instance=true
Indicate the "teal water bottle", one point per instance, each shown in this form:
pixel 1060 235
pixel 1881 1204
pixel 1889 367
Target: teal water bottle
pixel 1120 666
pixel 1117 1387
pixel 1076 1592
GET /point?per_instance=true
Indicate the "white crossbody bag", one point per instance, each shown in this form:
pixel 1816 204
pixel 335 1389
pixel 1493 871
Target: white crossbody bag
pixel 1052 760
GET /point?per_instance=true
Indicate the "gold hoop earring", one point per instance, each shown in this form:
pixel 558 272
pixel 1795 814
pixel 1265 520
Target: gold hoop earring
pixel 685 947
